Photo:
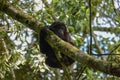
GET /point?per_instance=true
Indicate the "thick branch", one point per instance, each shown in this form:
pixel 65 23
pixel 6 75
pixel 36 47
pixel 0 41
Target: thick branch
pixel 20 16
pixel 66 48
pixel 80 56
pixel 33 24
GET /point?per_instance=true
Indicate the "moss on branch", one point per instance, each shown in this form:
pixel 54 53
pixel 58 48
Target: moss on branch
pixel 80 56
pixel 58 44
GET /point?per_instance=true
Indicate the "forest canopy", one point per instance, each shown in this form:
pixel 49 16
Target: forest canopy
pixel 94 26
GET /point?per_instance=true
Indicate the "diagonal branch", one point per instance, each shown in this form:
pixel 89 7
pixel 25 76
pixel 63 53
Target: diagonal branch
pixel 48 6
pixel 58 44
pixel 97 45
pixel 20 16
pixel 80 56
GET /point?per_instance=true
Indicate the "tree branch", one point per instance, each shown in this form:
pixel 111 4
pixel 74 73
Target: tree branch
pixel 115 30
pixel 80 56
pixel 60 45
pixel 48 6
pixel 20 16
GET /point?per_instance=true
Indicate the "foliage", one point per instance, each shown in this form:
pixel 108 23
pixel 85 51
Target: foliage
pixel 20 58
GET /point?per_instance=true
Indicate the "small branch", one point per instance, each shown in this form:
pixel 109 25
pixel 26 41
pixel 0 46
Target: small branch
pixel 7 58
pixel 81 71
pixel 13 73
pixel 48 6
pixel 115 30
pixel 116 47
pixel 90 24
pixel 5 47
pixel 104 54
pixel 114 7
pixel 97 45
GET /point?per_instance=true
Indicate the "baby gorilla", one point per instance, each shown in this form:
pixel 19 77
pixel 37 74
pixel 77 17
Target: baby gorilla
pixel 60 30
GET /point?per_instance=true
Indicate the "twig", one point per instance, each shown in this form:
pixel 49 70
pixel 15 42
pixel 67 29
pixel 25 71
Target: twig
pixel 97 45
pixel 48 6
pixel 90 21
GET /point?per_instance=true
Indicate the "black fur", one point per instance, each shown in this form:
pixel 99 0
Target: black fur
pixel 60 30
